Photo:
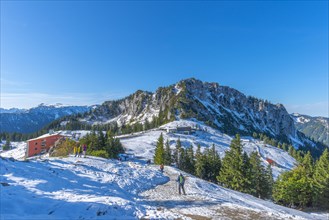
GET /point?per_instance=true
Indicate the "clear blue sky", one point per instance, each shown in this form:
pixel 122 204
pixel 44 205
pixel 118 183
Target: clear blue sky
pixel 86 52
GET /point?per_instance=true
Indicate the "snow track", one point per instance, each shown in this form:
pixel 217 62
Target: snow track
pixel 205 200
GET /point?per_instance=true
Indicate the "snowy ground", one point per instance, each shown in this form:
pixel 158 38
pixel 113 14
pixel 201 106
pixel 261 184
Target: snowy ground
pixel 72 188
pixel 18 150
pixel 143 144
pixel 95 188
pixel 204 200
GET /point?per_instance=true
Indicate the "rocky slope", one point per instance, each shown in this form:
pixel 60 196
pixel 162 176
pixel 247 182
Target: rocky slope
pixel 221 107
pixel 316 128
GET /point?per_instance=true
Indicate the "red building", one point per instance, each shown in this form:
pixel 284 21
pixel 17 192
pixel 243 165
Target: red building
pixel 41 144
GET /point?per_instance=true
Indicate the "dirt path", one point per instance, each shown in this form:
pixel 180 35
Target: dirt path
pixel 166 196
pixel 195 204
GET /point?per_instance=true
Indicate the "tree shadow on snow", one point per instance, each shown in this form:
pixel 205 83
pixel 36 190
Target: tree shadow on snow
pixel 182 203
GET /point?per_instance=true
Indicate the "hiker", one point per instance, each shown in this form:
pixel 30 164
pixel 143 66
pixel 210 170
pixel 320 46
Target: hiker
pixel 148 162
pixel 79 151
pixel 84 150
pixel 161 168
pixel 181 181
pixel 75 150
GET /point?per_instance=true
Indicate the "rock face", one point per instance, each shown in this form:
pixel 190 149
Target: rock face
pixel 32 120
pixel 219 106
pixel 316 128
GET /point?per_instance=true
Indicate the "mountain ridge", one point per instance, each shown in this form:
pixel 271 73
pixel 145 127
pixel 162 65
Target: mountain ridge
pixel 33 119
pixel 222 107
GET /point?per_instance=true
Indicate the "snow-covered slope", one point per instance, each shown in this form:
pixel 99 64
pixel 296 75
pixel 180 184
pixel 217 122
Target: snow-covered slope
pixel 17 152
pixel 74 188
pixel 95 188
pixel 143 144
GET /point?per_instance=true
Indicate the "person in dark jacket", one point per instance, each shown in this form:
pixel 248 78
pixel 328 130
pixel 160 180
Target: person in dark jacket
pixel 181 181
pixel 84 148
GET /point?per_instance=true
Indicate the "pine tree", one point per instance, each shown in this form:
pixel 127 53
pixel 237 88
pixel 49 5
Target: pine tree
pixel 269 181
pixel 258 178
pixel 284 147
pixel 198 151
pixel 231 174
pixel 101 139
pixel 177 152
pixel 307 162
pixel 294 188
pixel 7 146
pixel 190 160
pixel 246 170
pixel 182 158
pixel 321 181
pixel 213 164
pixel 200 162
pixel 167 154
pixel 159 151
pixel 113 147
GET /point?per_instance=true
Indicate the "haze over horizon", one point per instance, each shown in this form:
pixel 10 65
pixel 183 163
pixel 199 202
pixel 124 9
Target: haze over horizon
pixel 83 53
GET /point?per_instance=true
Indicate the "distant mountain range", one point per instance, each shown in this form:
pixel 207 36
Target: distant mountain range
pixel 32 120
pixel 316 128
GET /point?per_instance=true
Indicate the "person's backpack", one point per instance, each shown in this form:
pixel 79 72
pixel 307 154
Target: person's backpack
pixel 181 179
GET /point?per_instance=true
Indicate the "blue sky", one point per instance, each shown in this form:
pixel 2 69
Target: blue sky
pixel 86 52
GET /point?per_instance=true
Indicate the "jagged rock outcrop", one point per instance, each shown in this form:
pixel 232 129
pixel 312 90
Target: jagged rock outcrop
pixel 219 106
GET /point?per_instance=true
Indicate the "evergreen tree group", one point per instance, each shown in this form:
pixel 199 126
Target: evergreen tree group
pixel 236 171
pixel 243 173
pixel 100 144
pixel 307 185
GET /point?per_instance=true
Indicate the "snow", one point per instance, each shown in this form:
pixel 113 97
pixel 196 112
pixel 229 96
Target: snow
pixel 46 135
pixel 72 188
pixel 17 152
pixel 143 144
pixel 96 188
pixel 302 120
pixel 177 89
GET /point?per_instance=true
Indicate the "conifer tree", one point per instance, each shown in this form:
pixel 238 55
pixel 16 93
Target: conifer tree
pixel 159 151
pixel 182 159
pixel 101 139
pixel 113 147
pixel 307 162
pixel 190 160
pixel 258 178
pixel 213 164
pixel 198 151
pixel 294 188
pixel 246 170
pixel 200 162
pixel 167 154
pixel 284 147
pixel 177 152
pixel 321 181
pixel 7 145
pixel 231 174
pixel 269 181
